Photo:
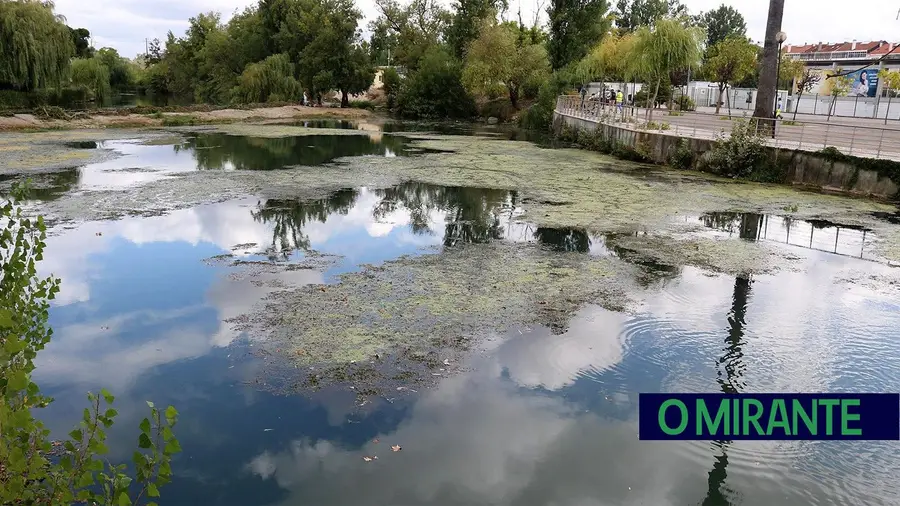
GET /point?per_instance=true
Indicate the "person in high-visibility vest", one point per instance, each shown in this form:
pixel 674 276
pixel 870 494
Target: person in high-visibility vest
pixel 778 110
pixel 620 100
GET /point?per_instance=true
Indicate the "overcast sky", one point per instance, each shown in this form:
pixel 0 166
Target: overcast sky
pixel 124 24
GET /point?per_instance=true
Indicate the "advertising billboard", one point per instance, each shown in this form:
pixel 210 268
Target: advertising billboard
pixel 863 83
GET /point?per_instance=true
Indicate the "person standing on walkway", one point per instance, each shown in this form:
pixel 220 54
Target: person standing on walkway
pixel 583 92
pixel 778 110
pixel 620 101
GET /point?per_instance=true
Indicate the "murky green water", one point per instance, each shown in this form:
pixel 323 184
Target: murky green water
pixel 529 416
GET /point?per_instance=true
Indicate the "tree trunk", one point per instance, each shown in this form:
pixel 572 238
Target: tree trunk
pixel 719 100
pixel 345 100
pixel 513 96
pixel 765 97
pixel 653 102
pixel 797 105
pixel 728 101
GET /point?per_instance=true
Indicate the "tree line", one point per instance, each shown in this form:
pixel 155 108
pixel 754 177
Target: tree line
pixel 42 60
pixel 437 62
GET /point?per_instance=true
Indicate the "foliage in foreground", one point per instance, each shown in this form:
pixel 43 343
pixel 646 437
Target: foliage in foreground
pixel 33 468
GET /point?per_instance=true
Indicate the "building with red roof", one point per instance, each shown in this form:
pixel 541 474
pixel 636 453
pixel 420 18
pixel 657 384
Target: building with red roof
pixel 858 57
pixel 828 54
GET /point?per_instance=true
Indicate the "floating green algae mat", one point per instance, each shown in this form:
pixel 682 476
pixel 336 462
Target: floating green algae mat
pixel 414 301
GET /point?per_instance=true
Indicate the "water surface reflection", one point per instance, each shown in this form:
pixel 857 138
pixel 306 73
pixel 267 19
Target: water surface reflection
pixel 537 416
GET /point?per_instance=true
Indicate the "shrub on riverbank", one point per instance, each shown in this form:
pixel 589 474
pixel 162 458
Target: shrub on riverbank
pixel 362 104
pixel 540 115
pixel 435 90
pixel 500 108
pixel 737 155
pixel 682 157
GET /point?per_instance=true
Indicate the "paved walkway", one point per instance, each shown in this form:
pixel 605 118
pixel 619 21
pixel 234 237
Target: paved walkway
pixel 853 136
pixel 814 118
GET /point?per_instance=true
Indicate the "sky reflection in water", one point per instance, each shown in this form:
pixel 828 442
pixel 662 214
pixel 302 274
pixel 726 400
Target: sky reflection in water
pixel 536 419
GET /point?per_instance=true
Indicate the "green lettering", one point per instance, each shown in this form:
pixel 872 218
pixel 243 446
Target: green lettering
pixel 712 426
pixel 737 417
pixel 849 417
pixel 798 411
pixel 662 417
pixel 778 408
pixel 752 417
pixel 829 417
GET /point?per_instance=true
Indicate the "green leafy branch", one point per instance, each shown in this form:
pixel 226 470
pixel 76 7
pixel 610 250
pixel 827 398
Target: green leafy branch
pixel 33 468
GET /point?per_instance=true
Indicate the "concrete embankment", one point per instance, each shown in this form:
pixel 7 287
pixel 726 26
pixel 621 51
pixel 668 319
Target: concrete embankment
pixel 828 170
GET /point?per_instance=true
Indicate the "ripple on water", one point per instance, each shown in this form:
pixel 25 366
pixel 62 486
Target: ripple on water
pixel 791 332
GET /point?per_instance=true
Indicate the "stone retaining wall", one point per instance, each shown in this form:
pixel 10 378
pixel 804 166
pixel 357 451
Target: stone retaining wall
pixel 811 169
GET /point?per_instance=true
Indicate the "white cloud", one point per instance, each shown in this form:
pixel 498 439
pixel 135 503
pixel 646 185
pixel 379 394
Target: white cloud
pixel 94 353
pixel 476 440
pixel 594 341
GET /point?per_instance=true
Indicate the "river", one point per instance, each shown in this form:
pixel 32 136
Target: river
pixel 236 295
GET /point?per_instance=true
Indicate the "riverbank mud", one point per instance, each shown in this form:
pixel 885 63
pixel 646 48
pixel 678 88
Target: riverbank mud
pixel 199 115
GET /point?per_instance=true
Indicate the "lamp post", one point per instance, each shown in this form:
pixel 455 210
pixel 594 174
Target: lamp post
pixel 780 37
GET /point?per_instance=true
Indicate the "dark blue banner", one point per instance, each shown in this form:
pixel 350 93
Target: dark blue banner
pixel 769 416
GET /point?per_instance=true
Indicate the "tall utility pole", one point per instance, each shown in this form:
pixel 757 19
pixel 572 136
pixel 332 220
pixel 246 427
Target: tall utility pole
pixel 765 96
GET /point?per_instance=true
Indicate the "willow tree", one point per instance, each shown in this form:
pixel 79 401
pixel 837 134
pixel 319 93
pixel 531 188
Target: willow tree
pixel 92 75
pixel 271 80
pixel 607 59
pixel 35 45
pixel 661 49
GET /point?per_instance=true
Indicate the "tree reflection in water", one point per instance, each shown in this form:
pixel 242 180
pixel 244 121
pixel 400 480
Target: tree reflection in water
pixel 470 215
pixel 44 187
pixel 746 224
pixel 564 239
pixel 291 216
pixel 221 151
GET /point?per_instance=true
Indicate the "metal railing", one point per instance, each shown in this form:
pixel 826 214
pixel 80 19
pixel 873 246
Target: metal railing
pixel 862 140
pixel 832 55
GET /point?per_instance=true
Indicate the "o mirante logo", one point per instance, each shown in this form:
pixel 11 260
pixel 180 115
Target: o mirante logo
pixel 769 416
